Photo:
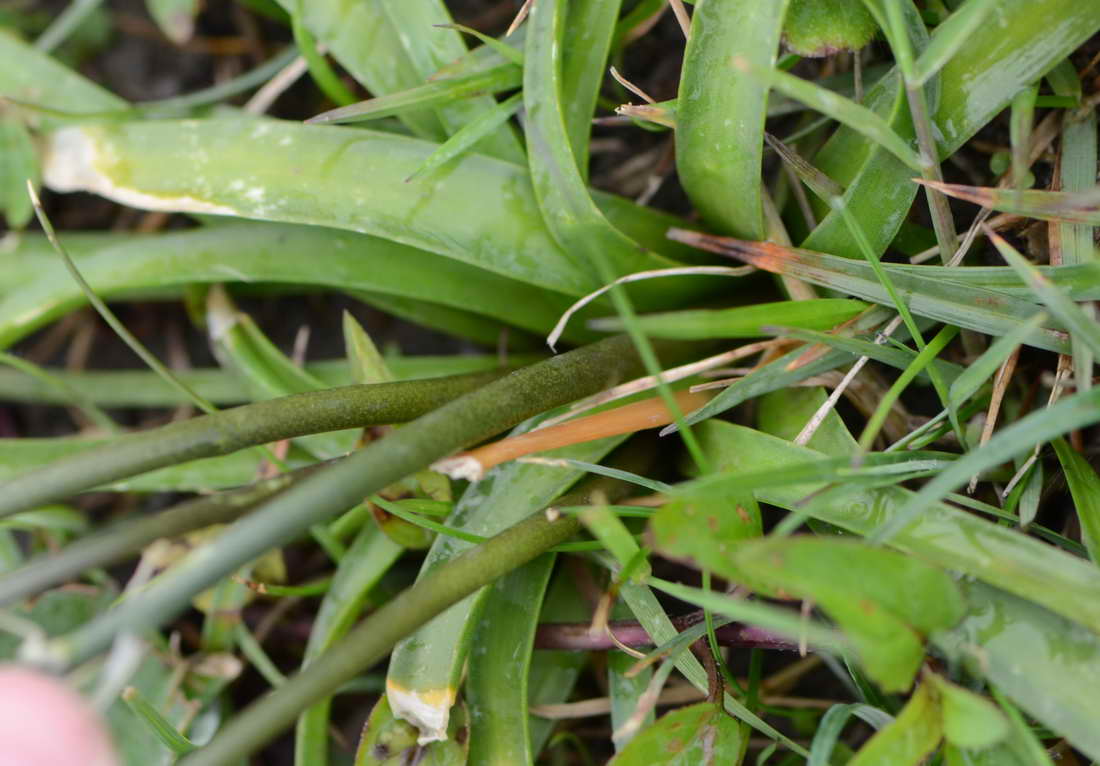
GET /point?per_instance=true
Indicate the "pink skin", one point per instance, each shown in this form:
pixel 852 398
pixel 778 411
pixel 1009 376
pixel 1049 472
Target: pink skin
pixel 43 722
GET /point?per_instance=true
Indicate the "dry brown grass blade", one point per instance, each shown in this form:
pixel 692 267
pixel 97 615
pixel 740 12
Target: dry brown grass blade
pixel 638 416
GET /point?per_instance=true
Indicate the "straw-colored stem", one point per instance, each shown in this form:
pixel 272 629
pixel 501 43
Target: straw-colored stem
pixel 638 416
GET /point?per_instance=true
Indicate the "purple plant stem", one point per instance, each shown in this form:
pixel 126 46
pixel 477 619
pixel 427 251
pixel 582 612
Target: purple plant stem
pixel 575 636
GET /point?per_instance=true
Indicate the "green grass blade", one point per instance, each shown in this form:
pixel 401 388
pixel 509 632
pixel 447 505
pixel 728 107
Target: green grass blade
pixel 976 84
pixel 1081 207
pixel 29 75
pixel 843 110
pixel 741 322
pixel 1039 427
pixel 140 388
pixel 649 612
pixel 977 373
pixel 319 69
pixel 1081 325
pixel 899 357
pixel 968 306
pixel 175 18
pixel 392 48
pixel 463 140
pixel 720 112
pixel 1084 487
pixel 951 37
pixel 432 94
pixel 599 247
pixel 591 24
pixel 922 360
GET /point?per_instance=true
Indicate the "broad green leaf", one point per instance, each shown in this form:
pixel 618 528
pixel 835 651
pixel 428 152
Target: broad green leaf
pixel 921 595
pixel 483 212
pixel 1069 207
pixel 298 255
pixel 720 112
pixel 743 321
pixel 911 737
pixel 497 672
pixel 706 529
pixel 940 535
pixel 1056 685
pixel 878 597
pixel 695 735
pixel 1084 487
pixel 969 720
pixel 785 413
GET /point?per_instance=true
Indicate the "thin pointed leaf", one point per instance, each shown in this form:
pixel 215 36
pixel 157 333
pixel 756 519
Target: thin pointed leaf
pixel 951 37
pixel 843 110
pixel 1070 207
pixel 584 60
pixel 740 322
pixel 967 306
pixel 1080 325
pixel 912 736
pixel 1084 487
pixel 432 94
pixel 465 139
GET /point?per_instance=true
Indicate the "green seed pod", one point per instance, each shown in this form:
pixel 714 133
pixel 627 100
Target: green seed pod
pixel 822 27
